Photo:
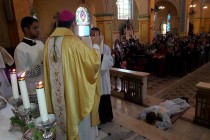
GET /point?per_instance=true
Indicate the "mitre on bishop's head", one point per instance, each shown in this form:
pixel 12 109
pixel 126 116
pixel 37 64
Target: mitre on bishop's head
pixel 66 15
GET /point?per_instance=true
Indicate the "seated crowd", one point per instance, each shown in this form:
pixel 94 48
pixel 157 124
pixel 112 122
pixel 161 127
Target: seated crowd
pixel 168 54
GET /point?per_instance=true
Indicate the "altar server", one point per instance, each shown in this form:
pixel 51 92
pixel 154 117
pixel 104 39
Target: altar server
pixel 29 54
pixel 105 107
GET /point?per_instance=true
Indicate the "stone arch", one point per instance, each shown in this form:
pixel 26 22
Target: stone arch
pixel 162 16
pixel 176 3
pixel 142 10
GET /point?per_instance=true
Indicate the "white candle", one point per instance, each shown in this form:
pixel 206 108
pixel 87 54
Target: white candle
pixel 23 90
pixel 42 101
pixel 14 83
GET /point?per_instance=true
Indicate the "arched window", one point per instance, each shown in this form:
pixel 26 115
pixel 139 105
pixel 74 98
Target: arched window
pixel 168 22
pixel 124 9
pixel 83 21
pixel 163 27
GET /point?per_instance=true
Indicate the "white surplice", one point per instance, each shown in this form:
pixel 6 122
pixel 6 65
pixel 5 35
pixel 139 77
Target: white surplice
pixel 29 59
pixel 106 64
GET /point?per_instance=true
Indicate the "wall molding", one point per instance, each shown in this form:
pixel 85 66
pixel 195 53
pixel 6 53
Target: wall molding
pixel 103 15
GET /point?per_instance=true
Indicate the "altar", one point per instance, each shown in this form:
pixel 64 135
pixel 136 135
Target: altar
pixel 128 30
pixel 129 33
pixel 5 115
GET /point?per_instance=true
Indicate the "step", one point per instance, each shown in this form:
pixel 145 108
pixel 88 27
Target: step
pixel 144 129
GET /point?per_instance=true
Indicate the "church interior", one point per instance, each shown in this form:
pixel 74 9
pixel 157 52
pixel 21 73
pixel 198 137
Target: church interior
pixel 160 49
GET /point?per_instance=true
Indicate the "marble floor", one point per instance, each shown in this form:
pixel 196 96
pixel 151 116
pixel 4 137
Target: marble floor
pixel 126 126
pixel 185 86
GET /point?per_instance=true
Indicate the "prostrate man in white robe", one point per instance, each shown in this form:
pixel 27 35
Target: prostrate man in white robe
pixel 105 107
pixel 5 86
pixel 163 112
pixel 29 54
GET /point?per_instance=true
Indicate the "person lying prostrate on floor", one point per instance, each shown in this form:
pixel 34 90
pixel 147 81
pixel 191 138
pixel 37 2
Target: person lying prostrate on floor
pixel 160 114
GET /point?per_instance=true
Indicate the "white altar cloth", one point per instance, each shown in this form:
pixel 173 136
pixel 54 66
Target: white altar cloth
pixel 5 115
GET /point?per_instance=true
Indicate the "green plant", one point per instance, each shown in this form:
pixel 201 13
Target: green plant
pixel 16 121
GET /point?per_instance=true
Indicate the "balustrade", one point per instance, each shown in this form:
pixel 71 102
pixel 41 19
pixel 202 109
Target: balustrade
pixel 202 110
pixel 129 85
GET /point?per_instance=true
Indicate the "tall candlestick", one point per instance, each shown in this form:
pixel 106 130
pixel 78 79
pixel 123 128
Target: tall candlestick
pixel 13 77
pixel 42 101
pixel 23 90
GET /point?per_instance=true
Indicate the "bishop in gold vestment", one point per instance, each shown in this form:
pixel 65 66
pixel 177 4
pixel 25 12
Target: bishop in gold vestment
pixel 71 78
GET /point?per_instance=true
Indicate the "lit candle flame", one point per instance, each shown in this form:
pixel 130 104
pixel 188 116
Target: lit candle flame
pixel 205 7
pixel 21 76
pixel 39 85
pixel 13 71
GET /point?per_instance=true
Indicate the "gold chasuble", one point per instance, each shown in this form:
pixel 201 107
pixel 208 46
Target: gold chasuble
pixel 81 81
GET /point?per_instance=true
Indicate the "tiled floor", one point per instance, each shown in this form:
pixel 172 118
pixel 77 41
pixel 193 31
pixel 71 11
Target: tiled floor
pixel 186 85
pixel 125 125
pixel 114 131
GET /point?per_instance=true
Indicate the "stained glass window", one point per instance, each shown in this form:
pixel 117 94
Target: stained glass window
pixel 124 9
pixel 168 22
pixel 83 21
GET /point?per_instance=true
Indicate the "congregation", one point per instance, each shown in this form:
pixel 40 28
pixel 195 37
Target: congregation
pixel 167 55
pixel 82 55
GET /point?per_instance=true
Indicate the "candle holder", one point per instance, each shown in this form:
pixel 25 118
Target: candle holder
pixel 46 127
pixel 16 103
pixel 24 115
pixel 27 114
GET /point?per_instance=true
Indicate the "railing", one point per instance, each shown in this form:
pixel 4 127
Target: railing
pixel 129 85
pixel 202 110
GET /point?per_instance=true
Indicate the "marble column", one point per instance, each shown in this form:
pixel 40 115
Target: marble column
pixel 184 17
pixel 202 24
pixel 144 28
pixel 146 20
pixel 151 20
